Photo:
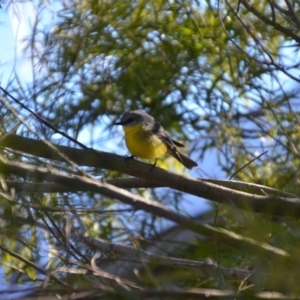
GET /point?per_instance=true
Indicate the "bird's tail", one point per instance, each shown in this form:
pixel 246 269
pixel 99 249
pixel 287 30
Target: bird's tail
pixel 186 161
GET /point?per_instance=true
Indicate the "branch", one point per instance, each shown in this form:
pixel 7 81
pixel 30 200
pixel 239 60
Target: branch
pixel 147 293
pixel 140 203
pixel 141 257
pixel 272 23
pixel 31 264
pixel 42 187
pixel 277 204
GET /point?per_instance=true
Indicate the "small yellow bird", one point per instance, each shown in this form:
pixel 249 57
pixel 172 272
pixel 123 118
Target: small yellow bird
pixel 147 139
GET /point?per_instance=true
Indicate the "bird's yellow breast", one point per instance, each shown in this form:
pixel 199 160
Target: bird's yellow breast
pixel 143 143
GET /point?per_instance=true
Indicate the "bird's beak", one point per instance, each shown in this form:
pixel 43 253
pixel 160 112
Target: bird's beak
pixel 118 123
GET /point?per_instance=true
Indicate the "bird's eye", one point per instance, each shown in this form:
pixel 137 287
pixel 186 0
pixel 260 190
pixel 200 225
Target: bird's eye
pixel 129 120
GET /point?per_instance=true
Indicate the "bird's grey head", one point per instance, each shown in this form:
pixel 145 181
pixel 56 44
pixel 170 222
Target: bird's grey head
pixel 134 117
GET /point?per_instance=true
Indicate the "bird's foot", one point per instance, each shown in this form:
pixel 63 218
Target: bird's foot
pixel 153 166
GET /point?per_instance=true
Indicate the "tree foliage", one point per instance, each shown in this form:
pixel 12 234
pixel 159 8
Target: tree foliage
pixel 221 76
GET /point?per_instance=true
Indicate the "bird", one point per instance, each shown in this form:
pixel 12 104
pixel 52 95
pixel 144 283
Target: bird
pixel 146 138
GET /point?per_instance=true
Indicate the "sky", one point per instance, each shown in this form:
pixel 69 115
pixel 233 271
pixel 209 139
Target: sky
pixel 7 50
pixel 14 27
pixel 16 24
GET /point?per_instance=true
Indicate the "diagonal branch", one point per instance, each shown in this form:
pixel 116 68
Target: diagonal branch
pixel 140 203
pixel 266 202
pixel 140 256
pixel 270 22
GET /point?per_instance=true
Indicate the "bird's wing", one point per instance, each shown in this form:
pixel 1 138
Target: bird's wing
pixel 177 144
pixel 163 135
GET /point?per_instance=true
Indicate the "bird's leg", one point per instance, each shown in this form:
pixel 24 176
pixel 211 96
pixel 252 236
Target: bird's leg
pixel 153 166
